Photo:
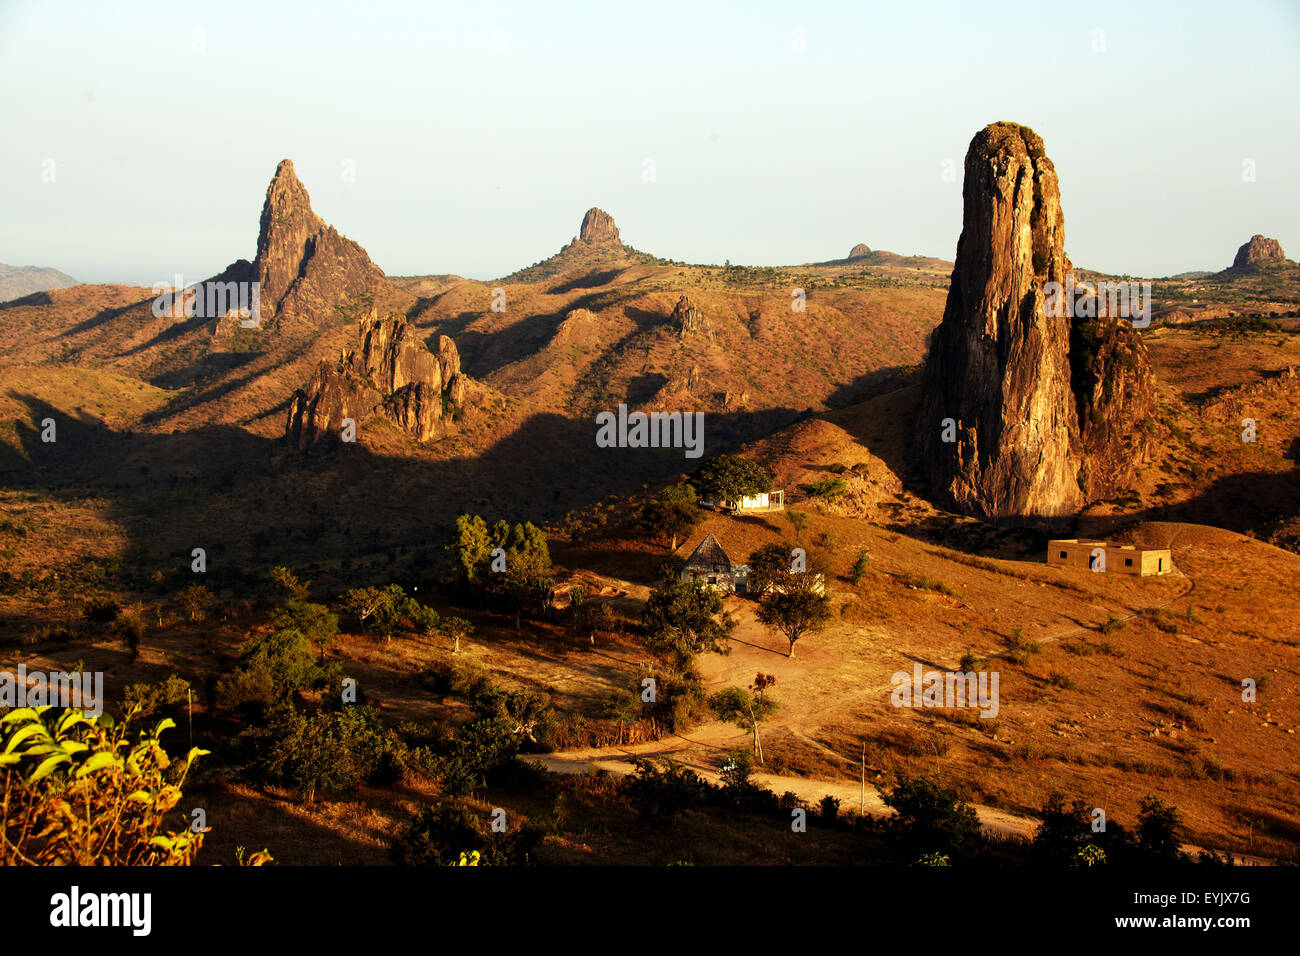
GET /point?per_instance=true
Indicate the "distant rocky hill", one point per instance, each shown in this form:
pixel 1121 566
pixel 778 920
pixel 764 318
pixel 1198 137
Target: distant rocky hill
pixel 1258 253
pixel 1017 398
pixel 18 281
pixel 596 245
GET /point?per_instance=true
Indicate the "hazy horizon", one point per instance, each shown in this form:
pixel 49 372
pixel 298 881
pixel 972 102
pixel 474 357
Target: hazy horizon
pixel 784 135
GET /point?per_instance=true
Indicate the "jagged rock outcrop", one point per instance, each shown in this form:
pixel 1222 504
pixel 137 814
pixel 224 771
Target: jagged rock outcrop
pixel 304 266
pixel 598 226
pixel 860 250
pixel 688 319
pixel 391 374
pixel 1027 411
pixel 1259 253
pixel 1114 392
pixel 997 380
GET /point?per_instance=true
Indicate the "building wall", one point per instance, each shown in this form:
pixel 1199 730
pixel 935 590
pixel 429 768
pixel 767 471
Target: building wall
pixel 1078 554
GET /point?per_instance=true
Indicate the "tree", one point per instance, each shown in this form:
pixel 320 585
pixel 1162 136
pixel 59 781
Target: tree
pixel 746 708
pixel 1156 832
pixel 361 603
pixel 468 549
pixel 794 612
pixel 196 599
pixel 930 818
pixel 1063 833
pixel 288 582
pixel 729 477
pixel 673 513
pixel 683 615
pixel 798 520
pixel 78 791
pixel 596 618
pixel 455 628
pixel 382 607
pixel 769 567
pixel 425 619
pixel 314 622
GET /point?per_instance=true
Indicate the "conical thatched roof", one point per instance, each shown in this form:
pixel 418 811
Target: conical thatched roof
pixel 708 554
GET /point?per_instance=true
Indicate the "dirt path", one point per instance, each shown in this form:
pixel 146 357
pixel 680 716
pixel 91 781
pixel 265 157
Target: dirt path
pixel 703 746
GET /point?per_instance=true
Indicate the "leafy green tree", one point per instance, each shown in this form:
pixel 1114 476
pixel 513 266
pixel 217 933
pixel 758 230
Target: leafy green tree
pixel 729 477
pixel 273 666
pixel 316 623
pixel 677 698
pixel 363 603
pixel 331 751
pixel 468 549
pixel 683 615
pixel 673 513
pixel 769 567
pixel 454 628
pixel 931 819
pixel 523 710
pixel 426 621
pixel 746 708
pixel 794 612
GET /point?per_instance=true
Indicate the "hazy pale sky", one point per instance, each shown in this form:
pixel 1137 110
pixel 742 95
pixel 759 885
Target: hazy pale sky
pixel 477 134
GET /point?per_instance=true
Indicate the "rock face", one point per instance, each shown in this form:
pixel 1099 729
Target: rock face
pixel 997 379
pixel 1114 391
pixel 688 319
pixel 1259 253
pixel 598 226
pixel 1027 412
pixel 304 266
pixel 390 374
pixel 858 251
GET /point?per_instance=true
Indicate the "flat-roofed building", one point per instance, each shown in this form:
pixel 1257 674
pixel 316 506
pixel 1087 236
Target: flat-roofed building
pixel 1102 556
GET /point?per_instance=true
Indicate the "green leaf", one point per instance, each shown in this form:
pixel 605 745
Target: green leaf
pixel 98 762
pixel 22 733
pixel 47 767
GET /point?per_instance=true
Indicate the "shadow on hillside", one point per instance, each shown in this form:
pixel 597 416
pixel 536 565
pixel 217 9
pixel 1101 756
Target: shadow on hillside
pixel 870 385
pixel 252 502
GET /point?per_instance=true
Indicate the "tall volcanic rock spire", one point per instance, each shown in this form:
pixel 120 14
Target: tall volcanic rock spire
pixel 998 419
pixel 598 226
pixel 304 266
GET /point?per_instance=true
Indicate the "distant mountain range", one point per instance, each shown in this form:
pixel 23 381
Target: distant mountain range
pixel 18 281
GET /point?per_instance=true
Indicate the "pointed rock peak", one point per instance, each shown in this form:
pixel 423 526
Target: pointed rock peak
pixel 860 250
pixel 598 226
pixel 304 266
pixel 1259 251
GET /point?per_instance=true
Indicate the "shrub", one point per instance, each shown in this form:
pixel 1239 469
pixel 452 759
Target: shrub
pixel 661 794
pixel 859 570
pixel 828 489
pixel 327 752
pixel 78 792
pixel 101 610
pixel 930 818
pixel 828 809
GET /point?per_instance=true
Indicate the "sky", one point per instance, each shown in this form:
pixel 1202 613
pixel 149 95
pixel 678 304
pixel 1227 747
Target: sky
pixel 470 138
